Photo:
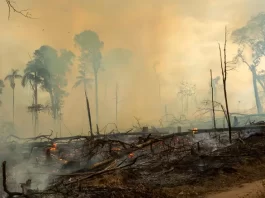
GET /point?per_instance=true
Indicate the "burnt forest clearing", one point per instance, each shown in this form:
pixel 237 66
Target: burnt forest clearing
pixel 125 99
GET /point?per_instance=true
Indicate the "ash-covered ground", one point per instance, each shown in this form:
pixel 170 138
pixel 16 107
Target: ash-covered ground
pixel 121 166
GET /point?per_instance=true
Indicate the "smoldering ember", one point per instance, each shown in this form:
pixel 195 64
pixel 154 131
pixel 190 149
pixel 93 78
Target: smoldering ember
pixel 89 106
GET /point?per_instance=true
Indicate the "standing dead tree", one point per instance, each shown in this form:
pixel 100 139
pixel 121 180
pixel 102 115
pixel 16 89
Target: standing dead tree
pixel 214 84
pixel 225 68
pixel 214 123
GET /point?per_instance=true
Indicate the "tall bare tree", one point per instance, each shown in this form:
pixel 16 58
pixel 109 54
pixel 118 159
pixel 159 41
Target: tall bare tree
pixel 225 67
pixel 86 81
pixel 214 86
pixel 212 91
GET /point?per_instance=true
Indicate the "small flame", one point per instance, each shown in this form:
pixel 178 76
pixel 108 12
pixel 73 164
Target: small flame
pixel 131 155
pixel 53 148
pixel 64 161
pixel 194 130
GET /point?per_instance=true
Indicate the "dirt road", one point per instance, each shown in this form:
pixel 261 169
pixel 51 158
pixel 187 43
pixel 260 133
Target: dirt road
pixel 244 191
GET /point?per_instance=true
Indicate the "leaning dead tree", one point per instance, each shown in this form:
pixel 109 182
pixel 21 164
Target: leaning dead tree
pixel 225 68
pixel 89 115
pixel 12 7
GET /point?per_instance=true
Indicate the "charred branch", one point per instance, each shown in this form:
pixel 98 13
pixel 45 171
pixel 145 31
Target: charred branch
pixel 12 7
pixel 10 194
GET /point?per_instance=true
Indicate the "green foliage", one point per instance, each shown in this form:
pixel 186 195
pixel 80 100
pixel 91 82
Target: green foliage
pixel 88 41
pixel 252 35
pixel 89 61
pixel 90 45
pixel 35 73
pixel 56 63
pixel 252 32
pixel 51 68
pixel 83 79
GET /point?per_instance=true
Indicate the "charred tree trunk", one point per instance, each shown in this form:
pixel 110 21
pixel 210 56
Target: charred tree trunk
pixel 224 76
pixel 89 115
pixel 54 109
pixel 116 105
pixel 36 105
pixel 214 123
pixel 13 106
pixel 52 104
pixel 33 112
pixel 227 112
pixel 96 94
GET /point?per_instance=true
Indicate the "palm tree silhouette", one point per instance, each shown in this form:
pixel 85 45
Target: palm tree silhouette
pixel 83 79
pixel 11 78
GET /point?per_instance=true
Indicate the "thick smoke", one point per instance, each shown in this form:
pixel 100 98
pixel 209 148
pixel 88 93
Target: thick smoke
pixel 181 35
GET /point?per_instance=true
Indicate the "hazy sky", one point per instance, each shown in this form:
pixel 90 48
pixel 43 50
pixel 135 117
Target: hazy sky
pixel 182 34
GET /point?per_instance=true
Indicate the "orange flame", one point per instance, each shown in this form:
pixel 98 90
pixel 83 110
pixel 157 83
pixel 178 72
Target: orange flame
pixel 53 148
pixel 194 130
pixel 131 155
pixel 64 161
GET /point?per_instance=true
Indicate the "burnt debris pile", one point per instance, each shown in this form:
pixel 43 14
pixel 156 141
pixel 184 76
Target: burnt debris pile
pixel 122 164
